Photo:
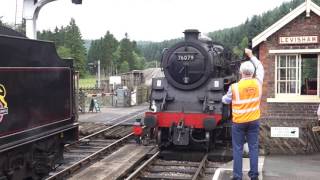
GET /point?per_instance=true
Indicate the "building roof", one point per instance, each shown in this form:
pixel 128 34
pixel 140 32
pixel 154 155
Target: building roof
pixel 152 73
pixel 307 6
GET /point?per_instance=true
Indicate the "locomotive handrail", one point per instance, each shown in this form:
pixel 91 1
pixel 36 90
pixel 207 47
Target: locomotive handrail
pixel 204 104
pixel 163 101
pixel 162 56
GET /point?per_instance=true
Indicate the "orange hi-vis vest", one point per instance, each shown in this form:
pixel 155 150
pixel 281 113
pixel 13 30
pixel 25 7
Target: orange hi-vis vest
pixel 246 96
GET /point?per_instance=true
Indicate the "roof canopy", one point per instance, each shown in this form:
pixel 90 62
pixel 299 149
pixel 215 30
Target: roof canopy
pixel 307 6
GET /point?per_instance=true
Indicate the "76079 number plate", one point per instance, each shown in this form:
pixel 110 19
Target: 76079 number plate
pixel 185 57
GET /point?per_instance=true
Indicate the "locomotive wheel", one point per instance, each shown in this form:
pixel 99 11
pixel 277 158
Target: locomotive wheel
pixel 162 138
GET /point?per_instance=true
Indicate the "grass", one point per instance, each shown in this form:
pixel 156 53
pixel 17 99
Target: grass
pixel 87 82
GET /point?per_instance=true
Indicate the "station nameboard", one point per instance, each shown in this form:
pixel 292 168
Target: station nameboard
pixel 298 39
pixel 286 132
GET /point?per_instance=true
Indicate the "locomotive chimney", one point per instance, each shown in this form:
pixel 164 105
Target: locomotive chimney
pixel 191 34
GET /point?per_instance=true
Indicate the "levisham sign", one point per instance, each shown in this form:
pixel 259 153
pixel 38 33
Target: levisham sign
pixel 298 40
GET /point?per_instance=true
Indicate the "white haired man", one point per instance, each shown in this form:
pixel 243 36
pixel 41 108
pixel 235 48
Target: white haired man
pixel 245 97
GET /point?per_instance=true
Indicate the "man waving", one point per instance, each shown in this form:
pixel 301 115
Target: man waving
pixel 245 98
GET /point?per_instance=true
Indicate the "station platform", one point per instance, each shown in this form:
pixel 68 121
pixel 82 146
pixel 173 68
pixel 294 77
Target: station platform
pixel 278 167
pixel 115 165
pixel 293 167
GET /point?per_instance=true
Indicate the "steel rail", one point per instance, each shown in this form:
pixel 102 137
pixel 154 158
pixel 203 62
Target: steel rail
pixel 88 159
pixel 140 168
pixel 103 130
pixel 202 163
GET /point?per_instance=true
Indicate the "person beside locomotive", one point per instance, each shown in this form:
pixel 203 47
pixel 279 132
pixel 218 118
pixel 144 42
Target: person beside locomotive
pixel 245 97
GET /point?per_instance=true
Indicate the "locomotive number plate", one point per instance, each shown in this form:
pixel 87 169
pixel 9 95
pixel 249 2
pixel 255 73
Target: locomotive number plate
pixel 185 57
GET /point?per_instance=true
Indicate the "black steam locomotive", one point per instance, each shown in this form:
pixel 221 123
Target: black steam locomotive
pixel 186 103
pixel 37 106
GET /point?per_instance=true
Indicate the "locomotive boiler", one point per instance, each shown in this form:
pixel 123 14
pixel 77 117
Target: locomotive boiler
pixel 37 106
pixel 186 107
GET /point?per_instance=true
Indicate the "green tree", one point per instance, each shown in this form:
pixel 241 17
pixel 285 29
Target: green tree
pixel 126 52
pixel 124 67
pixel 74 42
pixel 114 65
pixel 110 46
pixel 238 50
pixel 152 50
pixel 93 53
pixel 103 49
pixel 151 64
pixel 69 44
pixel 64 52
pixel 232 37
pixel 139 61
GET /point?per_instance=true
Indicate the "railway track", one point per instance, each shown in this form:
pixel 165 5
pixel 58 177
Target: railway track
pixel 93 147
pixel 155 168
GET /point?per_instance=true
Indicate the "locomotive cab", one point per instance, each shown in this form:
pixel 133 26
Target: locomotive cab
pixel 186 103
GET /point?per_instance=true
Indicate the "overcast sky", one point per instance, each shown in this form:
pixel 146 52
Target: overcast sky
pixel 154 20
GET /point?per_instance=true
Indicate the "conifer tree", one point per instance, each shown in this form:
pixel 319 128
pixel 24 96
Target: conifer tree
pixel 126 52
pixel 74 42
pixel 124 67
pixel 110 45
pixel 69 44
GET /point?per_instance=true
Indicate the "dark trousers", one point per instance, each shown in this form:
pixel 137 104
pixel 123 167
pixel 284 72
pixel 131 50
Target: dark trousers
pixel 250 132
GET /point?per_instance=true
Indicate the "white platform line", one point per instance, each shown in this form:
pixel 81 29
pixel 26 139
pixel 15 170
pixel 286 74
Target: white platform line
pixel 216 174
pixel 260 167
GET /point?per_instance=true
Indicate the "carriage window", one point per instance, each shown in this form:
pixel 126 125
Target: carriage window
pixel 297 74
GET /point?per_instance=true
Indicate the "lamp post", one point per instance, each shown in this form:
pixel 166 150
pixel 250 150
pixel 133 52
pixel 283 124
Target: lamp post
pixel 99 78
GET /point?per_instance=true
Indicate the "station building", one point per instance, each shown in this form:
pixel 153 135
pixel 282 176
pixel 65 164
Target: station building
pixel 290 52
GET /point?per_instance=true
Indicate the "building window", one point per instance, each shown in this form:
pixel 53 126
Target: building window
pixel 309 72
pixel 296 74
pixel 287 74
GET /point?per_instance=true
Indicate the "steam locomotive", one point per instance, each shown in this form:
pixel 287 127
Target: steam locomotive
pixel 186 104
pixel 37 106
